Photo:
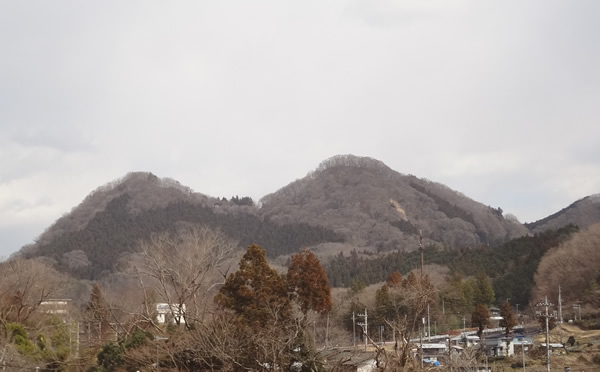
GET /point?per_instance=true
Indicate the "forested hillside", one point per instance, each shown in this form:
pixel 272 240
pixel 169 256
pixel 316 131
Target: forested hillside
pixel 378 209
pixel 95 248
pixel 511 266
pixel 347 204
pixel 583 213
pixel 574 266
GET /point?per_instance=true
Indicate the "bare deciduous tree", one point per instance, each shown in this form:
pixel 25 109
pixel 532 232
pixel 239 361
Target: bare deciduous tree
pixel 407 322
pixel 574 266
pixel 182 268
pixel 25 285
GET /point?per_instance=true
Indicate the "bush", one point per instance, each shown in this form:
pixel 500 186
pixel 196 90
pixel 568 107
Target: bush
pixel 111 356
pixel 18 336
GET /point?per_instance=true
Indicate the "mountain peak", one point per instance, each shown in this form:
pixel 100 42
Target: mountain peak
pixel 144 189
pixel 351 161
pixel 352 196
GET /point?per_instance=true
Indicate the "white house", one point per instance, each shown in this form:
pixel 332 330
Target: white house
pixel 497 346
pixel 170 312
pixel 55 306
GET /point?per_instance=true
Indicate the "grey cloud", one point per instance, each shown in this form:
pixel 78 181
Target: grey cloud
pixel 243 97
pixel 65 140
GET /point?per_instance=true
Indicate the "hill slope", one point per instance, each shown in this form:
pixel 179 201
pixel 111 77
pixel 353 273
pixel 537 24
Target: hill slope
pixel 351 202
pixel 110 222
pixel 583 213
pixel 374 207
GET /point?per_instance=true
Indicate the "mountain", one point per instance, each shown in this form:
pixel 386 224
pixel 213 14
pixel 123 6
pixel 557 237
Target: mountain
pixel 348 204
pixel 583 213
pixel 109 224
pixel 379 209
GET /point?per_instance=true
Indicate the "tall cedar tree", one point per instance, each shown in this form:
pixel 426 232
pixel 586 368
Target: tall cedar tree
pixel 97 315
pixel 256 292
pixel 383 307
pixel 508 320
pixel 480 318
pixel 484 293
pixel 308 283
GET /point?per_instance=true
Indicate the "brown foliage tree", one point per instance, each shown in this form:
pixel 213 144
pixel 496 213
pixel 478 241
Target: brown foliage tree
pixel 508 320
pixel 308 283
pixel 256 292
pixel 480 318
pixel 394 279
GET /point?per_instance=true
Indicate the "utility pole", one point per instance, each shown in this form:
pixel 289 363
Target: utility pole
pixel 428 325
pixel 560 318
pixel 421 249
pixel 365 327
pixel 449 353
pixel 353 330
pixel 421 341
pixel 546 316
pixel 77 352
pixel 578 307
pixel 327 332
pixel 523 353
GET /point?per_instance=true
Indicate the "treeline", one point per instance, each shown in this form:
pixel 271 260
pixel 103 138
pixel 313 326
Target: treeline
pixel 186 320
pixel 115 231
pixel 511 266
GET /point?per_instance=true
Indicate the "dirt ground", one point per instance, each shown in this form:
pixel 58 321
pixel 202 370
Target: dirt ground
pixel 583 356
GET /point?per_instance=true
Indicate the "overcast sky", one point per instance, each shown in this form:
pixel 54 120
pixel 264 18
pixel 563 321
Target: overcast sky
pixel 496 99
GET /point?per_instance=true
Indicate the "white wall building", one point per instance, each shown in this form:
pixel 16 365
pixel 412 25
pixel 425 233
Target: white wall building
pixel 174 313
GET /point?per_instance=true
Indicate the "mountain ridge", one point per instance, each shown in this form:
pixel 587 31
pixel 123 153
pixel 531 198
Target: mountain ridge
pixel 445 216
pixel 347 202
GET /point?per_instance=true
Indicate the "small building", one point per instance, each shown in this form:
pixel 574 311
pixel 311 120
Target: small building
pixel 498 346
pixel 554 347
pixel 58 307
pixel 433 351
pixel 522 344
pixel 495 317
pixel 465 340
pixel 174 313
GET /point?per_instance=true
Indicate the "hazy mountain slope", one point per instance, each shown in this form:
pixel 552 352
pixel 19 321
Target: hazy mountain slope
pixel 583 213
pixel 110 223
pixel 146 191
pixel 347 203
pixel 375 207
